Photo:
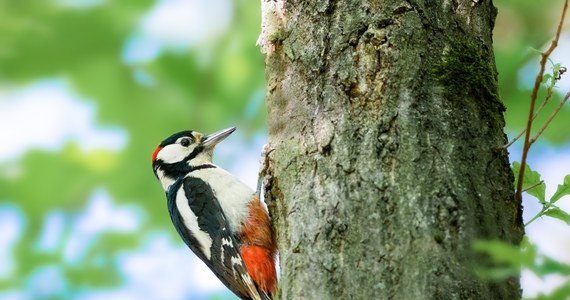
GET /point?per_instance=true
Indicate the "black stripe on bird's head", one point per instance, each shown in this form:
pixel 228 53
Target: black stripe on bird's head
pixel 179 152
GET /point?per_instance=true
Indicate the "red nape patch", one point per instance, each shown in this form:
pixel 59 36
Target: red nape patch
pixel 156 153
pixel 260 264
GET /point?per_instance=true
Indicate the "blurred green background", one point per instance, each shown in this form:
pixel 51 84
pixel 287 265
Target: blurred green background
pixel 88 88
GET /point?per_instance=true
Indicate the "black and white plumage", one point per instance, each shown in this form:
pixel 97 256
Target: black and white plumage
pixel 210 208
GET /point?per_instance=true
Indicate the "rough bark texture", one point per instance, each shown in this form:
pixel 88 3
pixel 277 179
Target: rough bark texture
pixel 386 131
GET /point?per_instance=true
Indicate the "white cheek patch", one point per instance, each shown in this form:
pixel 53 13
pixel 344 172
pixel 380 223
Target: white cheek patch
pixel 173 153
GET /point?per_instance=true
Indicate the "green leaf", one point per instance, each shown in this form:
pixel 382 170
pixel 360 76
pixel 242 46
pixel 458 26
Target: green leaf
pixel 516 170
pixel 562 190
pixel 559 214
pixel 532 179
pixel 561 292
pixel 536 51
pixel 502 252
pixel 546 77
pixel 497 273
pixel 507 259
pixel 550 266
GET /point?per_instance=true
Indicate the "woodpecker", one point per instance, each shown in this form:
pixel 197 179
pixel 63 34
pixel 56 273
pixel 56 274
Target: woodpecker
pixel 220 218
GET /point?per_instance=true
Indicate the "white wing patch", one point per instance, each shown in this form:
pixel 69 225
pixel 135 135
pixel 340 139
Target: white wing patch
pixel 236 260
pixel 225 242
pixel 191 222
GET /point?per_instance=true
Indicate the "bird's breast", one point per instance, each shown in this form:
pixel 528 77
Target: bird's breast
pixel 233 195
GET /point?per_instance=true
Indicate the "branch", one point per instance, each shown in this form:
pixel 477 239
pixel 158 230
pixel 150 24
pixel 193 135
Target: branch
pixel 554 113
pixel 538 215
pixel 534 185
pixel 537 81
pixel 548 96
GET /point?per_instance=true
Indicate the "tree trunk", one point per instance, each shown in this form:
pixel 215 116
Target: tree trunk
pixel 386 135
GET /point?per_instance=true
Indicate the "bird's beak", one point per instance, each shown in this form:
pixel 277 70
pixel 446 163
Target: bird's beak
pixel 213 139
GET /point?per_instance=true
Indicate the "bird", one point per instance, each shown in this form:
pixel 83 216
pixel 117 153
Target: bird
pixel 220 218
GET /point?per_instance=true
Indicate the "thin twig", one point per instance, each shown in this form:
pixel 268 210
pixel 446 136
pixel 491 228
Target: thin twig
pixel 538 215
pixel 537 81
pixel 548 96
pixel 532 186
pixel 554 113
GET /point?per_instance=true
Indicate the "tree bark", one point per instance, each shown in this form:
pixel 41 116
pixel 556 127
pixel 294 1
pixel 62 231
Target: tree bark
pixel 386 159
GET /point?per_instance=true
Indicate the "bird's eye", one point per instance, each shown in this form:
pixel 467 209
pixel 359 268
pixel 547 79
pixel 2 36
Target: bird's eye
pixel 185 142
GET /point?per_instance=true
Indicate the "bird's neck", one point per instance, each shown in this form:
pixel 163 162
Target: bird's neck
pixel 170 173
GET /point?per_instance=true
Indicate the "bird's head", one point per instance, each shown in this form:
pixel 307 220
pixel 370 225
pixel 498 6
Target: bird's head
pixel 182 151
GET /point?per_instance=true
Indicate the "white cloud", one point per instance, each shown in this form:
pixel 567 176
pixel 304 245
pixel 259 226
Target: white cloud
pixel 164 269
pixel 46 115
pixel 53 228
pixel 100 216
pixel 46 282
pixel 12 295
pixel 138 48
pixel 177 25
pixel 184 23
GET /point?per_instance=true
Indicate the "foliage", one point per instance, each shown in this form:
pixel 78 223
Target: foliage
pixel 509 259
pixel 521 27
pixel 513 258
pixel 534 186
pixel 85 46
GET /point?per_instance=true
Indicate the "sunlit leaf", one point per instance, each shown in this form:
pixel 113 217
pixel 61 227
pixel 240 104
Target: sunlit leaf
pixel 531 182
pixel 562 190
pixel 497 273
pixel 549 266
pixel 507 259
pixel 560 293
pixel 502 252
pixel 559 214
pixel 546 77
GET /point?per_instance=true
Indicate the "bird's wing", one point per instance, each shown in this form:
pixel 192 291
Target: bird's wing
pixel 200 221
